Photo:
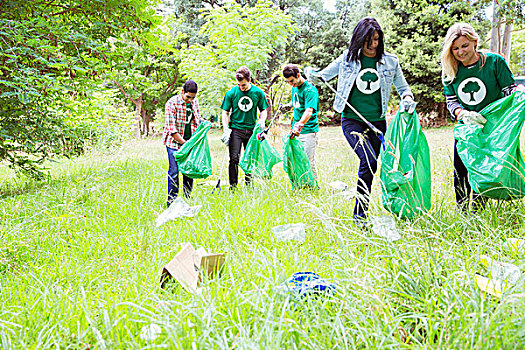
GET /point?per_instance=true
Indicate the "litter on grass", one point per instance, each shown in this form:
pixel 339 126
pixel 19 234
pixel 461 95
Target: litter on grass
pixel 501 271
pixel 177 209
pixel 385 226
pixel 502 275
pixel 302 284
pixel 338 185
pixel 150 332
pixel 490 286
pixel 289 231
pixel 189 266
pixel 515 245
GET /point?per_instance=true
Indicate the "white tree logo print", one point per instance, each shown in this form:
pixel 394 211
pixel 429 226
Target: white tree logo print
pixel 245 104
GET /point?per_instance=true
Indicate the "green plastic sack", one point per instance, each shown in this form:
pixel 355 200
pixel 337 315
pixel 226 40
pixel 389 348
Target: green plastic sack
pixel 194 156
pixel 259 156
pixel 405 167
pixel 492 153
pixel 297 165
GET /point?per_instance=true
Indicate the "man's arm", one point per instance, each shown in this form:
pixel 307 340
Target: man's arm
pixel 262 118
pixel 306 116
pixel 176 136
pixel 225 120
pixel 298 126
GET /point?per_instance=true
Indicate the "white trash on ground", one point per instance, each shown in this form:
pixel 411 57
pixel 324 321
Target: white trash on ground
pixel 338 185
pixel 500 270
pixel 177 209
pixel 290 231
pixel 342 189
pixel 501 276
pixel 150 332
pixel 490 286
pixel 385 226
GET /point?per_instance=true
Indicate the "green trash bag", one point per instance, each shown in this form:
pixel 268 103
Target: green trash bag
pixel 405 167
pixel 297 165
pixel 259 156
pixel 492 153
pixel 194 157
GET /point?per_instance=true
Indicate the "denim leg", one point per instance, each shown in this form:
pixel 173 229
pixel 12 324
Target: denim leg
pixel 173 175
pixel 366 146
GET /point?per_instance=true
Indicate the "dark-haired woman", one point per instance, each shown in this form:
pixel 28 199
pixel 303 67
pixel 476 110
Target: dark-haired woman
pixel 366 74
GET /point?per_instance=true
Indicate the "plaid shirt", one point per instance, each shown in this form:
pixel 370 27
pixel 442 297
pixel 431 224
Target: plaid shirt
pixel 176 118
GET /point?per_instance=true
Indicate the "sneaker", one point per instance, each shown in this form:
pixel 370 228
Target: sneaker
pixel 361 222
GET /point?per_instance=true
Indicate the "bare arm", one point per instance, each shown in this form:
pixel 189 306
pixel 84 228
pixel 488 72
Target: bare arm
pixel 262 118
pixel 225 119
pixel 176 136
pixel 306 115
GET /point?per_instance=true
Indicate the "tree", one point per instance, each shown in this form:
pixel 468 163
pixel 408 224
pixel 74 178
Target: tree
pixel 145 71
pixel 369 77
pixel 237 36
pixel 507 14
pixel 471 88
pixel 414 31
pixel 51 51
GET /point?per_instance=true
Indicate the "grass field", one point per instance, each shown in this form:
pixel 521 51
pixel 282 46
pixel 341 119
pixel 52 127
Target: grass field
pixel 80 261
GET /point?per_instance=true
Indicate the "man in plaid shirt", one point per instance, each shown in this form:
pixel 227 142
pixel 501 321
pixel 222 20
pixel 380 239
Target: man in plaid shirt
pixel 182 118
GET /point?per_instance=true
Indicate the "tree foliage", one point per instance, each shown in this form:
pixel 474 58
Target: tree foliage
pixel 238 36
pixel 51 50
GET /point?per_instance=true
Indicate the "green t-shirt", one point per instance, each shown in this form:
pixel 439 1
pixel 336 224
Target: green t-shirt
pixel 244 106
pixel 477 86
pixel 365 95
pixel 303 97
pixel 187 123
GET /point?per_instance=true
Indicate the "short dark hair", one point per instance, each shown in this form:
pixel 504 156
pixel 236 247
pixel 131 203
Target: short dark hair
pixel 243 73
pixel 363 33
pixel 291 70
pixel 190 86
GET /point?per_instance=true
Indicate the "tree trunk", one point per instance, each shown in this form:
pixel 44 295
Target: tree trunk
pixel 138 116
pixel 495 32
pixel 507 40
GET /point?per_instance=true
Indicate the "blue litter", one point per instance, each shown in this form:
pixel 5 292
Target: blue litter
pixel 303 284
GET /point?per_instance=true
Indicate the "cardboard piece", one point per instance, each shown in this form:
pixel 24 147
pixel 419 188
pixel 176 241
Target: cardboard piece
pixel 188 266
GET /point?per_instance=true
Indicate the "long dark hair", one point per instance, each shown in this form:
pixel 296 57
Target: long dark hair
pixel 363 33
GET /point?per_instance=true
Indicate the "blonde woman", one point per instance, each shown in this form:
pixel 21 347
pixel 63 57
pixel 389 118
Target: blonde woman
pixel 472 80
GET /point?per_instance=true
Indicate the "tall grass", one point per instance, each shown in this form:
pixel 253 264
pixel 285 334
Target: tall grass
pixel 80 261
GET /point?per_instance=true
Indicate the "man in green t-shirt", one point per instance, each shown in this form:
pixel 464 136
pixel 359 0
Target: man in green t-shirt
pixel 240 108
pixel 305 103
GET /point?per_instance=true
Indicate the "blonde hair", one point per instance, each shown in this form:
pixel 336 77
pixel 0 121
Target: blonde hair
pixel 449 64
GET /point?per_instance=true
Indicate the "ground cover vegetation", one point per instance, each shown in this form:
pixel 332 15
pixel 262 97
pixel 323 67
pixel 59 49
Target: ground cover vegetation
pixel 80 258
pixel 81 261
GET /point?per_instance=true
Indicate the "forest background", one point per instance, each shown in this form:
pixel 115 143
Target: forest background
pixel 76 75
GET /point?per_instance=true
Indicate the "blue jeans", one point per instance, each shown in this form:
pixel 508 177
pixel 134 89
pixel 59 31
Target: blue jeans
pixel 366 146
pixel 173 178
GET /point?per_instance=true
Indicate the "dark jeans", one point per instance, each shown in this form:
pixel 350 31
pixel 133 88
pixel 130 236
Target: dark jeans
pixel 366 146
pixel 173 178
pixel 238 138
pixel 462 187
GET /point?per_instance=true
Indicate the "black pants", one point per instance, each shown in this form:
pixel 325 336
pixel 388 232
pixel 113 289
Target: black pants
pixel 367 147
pixel 462 187
pixel 238 138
